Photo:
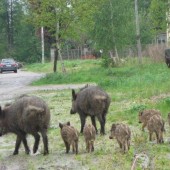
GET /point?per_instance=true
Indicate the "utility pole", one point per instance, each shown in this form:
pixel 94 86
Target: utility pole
pixel 42 44
pixel 138 33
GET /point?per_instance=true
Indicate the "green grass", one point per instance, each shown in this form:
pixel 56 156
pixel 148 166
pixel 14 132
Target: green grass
pixel 132 87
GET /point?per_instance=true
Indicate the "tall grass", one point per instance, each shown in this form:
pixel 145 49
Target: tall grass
pixel 131 79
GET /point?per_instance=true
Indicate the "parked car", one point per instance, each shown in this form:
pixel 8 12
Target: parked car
pixel 8 64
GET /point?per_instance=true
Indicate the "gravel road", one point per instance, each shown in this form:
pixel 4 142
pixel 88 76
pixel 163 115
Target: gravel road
pixel 15 84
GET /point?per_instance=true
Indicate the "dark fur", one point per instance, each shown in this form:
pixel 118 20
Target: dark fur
pixel 91 101
pixel 89 133
pixel 70 137
pixel 122 133
pixel 26 115
pixel 167 60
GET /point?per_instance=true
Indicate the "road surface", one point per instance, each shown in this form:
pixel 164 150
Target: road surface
pixel 15 84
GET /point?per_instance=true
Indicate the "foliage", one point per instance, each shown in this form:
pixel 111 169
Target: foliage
pixel 114 24
pixel 25 46
pixel 157 13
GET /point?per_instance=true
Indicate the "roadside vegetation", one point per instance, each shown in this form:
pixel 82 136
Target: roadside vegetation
pixel 131 87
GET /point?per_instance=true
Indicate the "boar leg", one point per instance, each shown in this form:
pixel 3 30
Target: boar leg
pixel 102 124
pixel 157 137
pixel 37 140
pixel 150 136
pixel 17 145
pixel 143 126
pixel 83 120
pixel 128 143
pixel 120 144
pixel 161 137
pixel 92 146
pixel 67 146
pixel 45 141
pixel 76 145
pixel 93 120
pixel 24 140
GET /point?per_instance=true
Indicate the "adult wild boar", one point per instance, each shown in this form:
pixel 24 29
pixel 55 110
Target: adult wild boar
pixel 26 115
pixel 91 101
pixel 122 133
pixel 167 57
pixel 145 115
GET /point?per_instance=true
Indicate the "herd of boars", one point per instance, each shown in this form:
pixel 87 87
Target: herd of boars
pixel 31 115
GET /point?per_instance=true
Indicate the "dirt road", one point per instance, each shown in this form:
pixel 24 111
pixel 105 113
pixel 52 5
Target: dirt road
pixel 15 84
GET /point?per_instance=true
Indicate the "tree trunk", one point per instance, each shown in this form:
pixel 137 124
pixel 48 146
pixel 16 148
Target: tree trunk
pixel 138 33
pixel 55 60
pixel 58 48
pixel 42 44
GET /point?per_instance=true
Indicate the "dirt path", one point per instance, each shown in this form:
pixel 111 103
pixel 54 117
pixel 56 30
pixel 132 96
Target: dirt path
pixel 13 85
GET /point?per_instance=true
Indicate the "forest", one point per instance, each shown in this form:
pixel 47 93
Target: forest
pixel 70 24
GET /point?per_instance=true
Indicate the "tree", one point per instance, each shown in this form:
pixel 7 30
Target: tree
pixel 114 25
pixel 60 18
pixel 17 36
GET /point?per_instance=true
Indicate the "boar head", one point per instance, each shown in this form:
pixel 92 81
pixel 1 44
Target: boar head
pixel 74 96
pixel 112 131
pixel 2 128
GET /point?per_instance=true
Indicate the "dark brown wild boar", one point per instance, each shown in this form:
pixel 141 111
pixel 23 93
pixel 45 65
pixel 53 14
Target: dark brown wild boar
pixel 122 133
pixel 26 115
pixel 156 124
pixel 70 136
pixel 89 133
pixel 145 115
pixel 91 101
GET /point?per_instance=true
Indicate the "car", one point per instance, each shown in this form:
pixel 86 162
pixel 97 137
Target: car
pixel 8 64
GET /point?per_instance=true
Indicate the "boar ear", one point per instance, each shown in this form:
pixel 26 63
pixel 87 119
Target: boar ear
pixel 140 113
pixel 61 125
pixel 86 85
pixel 113 126
pixel 68 123
pixel 74 94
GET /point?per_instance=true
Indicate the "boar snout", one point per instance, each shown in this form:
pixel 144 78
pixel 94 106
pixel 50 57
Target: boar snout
pixel 72 111
pixel 110 137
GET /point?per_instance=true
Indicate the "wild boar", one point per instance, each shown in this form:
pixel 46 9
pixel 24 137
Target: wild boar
pixel 122 133
pixel 167 57
pixel 145 115
pixel 89 133
pixel 26 115
pixel 169 119
pixel 91 101
pixel 70 136
pixel 156 124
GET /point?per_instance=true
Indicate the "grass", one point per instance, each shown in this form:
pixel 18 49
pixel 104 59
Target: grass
pixel 131 87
